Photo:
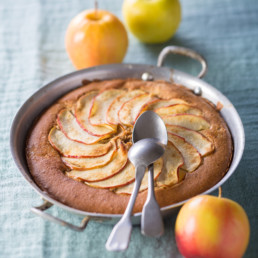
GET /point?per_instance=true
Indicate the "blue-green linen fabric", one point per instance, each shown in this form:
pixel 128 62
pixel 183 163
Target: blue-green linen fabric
pixel 32 53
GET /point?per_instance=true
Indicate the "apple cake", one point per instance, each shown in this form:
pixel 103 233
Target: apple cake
pixel 77 149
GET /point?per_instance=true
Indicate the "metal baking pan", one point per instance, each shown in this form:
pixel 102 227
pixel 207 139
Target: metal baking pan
pixel 48 94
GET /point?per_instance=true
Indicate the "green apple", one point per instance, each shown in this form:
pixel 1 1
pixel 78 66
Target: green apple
pixel 152 21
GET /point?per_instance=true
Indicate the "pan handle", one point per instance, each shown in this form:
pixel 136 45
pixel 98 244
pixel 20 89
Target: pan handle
pixel 46 205
pixel 185 52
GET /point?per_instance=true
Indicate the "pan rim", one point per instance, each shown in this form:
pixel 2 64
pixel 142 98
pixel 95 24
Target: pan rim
pixel 173 75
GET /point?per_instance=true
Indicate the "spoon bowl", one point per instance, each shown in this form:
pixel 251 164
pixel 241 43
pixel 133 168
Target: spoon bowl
pixel 145 152
pixel 150 125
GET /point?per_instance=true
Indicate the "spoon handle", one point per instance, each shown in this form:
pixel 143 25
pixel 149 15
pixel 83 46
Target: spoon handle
pixel 121 233
pixel 151 220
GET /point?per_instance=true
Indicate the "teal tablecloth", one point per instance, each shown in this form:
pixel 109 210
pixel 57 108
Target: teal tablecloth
pixel 32 53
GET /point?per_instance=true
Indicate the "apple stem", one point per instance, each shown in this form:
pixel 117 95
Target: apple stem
pixel 220 192
pixel 96 8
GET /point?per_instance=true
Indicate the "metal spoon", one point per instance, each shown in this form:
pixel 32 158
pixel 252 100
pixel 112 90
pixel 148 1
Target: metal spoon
pixel 141 154
pixel 150 125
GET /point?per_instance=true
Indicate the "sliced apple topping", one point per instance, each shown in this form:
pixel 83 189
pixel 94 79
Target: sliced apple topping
pixel 124 177
pixel 115 106
pixel 72 149
pixel 131 109
pixel 159 103
pixel 91 162
pixel 128 189
pixel 193 122
pixel 198 140
pixel 70 127
pixel 82 111
pixel 113 167
pixel 93 137
pixel 100 106
pixel 173 160
pixel 178 109
pixel 192 158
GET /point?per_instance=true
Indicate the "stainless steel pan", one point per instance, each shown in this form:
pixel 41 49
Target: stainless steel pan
pixel 55 89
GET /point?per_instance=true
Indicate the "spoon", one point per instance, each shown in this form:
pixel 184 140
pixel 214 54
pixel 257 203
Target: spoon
pixel 150 125
pixel 141 154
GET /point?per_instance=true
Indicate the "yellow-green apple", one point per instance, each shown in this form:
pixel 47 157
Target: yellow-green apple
pixel 209 226
pixel 95 37
pixel 152 21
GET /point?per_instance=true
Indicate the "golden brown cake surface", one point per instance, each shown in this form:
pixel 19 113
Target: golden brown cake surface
pixel 50 172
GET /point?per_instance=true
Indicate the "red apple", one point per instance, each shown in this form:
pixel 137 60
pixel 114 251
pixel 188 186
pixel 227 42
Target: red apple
pixel 209 226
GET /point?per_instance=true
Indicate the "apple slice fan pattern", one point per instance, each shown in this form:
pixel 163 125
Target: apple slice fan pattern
pixel 93 138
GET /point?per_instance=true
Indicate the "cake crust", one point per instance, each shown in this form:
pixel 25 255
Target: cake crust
pixel 47 168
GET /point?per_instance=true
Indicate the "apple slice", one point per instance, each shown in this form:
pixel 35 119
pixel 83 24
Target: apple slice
pixel 178 109
pixel 131 109
pixel 198 140
pixel 70 127
pixel 128 189
pixel 192 158
pixel 115 106
pixel 97 174
pixel 91 162
pixel 173 160
pixel 72 149
pixel 181 175
pixel 193 122
pixel 124 177
pixel 159 103
pixel 100 105
pixel 82 111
